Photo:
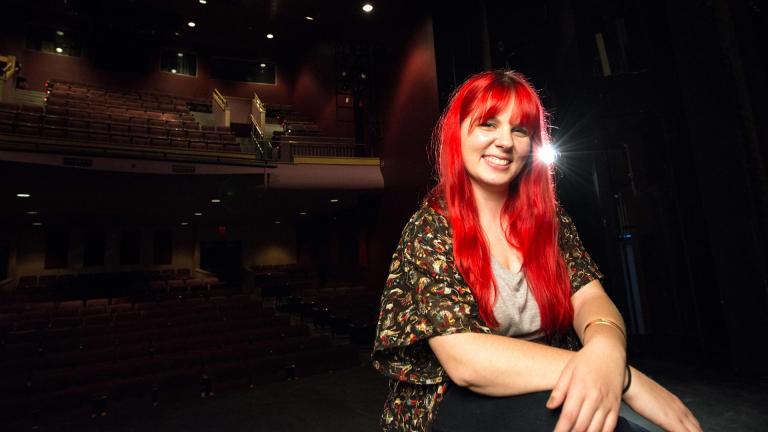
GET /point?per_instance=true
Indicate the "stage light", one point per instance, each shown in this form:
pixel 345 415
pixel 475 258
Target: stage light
pixel 179 54
pixel 23 195
pixel 184 223
pixel 198 214
pixel 277 222
pixel 191 24
pixel 59 50
pixel 334 200
pixel 303 213
pixel 263 65
pixel 367 8
pixel 309 18
pixel 37 223
pixel 203 1
pixel 31 212
pixel 547 154
pixel 173 70
pixel 59 32
pixel 215 200
pixel 270 36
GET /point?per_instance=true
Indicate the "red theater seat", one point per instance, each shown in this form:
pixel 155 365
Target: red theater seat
pixel 120 139
pixel 159 142
pixel 54 132
pixel 119 128
pixel 180 143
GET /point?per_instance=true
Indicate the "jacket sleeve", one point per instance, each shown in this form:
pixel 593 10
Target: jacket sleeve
pixel 581 268
pixel 424 297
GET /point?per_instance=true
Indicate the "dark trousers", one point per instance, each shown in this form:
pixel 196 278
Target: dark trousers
pixel 463 410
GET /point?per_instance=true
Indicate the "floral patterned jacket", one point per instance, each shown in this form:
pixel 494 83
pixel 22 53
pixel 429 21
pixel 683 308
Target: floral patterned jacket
pixel 426 296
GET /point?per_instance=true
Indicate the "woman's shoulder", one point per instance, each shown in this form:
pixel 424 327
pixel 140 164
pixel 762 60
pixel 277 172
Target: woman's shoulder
pixel 427 222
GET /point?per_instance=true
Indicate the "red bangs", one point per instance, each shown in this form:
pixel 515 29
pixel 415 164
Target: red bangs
pixel 489 97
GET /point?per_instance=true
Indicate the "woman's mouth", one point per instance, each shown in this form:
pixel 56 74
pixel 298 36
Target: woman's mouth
pixel 497 162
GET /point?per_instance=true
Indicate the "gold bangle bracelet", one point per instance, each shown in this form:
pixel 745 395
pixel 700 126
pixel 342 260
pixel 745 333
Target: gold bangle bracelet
pixel 606 322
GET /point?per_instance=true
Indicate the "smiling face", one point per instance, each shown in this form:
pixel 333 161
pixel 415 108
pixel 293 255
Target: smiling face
pixel 495 149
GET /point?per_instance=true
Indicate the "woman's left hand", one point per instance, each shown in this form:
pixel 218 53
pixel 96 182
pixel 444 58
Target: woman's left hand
pixel 589 389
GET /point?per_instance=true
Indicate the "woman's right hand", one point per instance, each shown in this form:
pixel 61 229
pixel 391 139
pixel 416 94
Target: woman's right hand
pixel 657 404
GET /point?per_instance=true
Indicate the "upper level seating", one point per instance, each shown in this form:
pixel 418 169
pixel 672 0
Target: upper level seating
pixel 305 136
pixel 80 113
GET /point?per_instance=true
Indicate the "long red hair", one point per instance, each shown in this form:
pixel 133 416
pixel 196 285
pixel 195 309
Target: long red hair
pixel 529 210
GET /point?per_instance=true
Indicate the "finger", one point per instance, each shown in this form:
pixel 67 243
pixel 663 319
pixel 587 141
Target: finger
pixel 611 420
pixel 560 390
pixel 587 414
pixel 570 412
pixel 596 425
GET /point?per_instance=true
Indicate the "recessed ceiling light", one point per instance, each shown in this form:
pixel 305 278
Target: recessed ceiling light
pixel 277 222
pixel 31 212
pixel 59 50
pixel 198 214
pixel 215 200
pixel 334 200
pixel 191 24
pixel 59 32
pixel 181 54
pixel 184 223
pixel 309 18
pixel 270 36
pixel 37 223
pixel 363 76
pixel 303 213
pixel 367 8
pixel 263 65
pixel 173 70
pixel 176 33
pixel 203 1
pixel 23 195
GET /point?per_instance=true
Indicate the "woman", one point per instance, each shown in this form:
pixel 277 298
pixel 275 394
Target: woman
pixel 490 282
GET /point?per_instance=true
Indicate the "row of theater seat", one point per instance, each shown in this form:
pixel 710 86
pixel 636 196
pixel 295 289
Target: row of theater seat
pixel 153 118
pixel 185 346
pixel 119 134
pixel 162 120
pixel 119 110
pixel 77 91
pixel 84 101
pixel 55 121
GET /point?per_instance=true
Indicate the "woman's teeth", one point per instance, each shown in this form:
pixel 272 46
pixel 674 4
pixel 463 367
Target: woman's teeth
pixel 497 161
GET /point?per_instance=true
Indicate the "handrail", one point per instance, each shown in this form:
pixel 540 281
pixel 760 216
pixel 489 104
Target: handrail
pixel 255 124
pixel 258 108
pixel 219 99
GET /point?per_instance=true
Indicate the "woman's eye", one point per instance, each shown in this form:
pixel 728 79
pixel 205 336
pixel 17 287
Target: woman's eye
pixel 519 130
pixel 488 124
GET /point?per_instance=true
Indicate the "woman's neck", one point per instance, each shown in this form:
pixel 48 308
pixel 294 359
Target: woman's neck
pixel 489 204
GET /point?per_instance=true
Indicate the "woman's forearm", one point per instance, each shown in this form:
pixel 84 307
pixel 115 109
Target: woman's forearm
pixel 498 365
pixel 590 303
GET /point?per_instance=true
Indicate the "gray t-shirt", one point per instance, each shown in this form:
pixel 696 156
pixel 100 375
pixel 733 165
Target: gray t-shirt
pixel 516 309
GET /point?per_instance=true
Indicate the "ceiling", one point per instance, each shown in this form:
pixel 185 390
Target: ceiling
pixel 239 26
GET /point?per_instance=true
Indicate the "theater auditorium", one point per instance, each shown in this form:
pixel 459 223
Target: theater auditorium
pixel 200 199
